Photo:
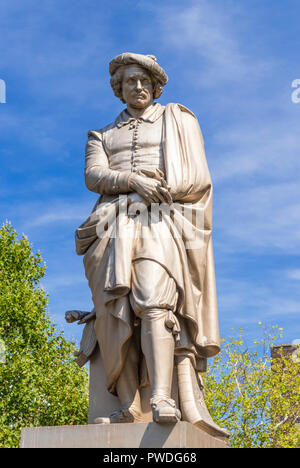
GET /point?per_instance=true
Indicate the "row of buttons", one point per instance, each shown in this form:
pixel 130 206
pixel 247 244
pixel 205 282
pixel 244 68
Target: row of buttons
pixel 134 126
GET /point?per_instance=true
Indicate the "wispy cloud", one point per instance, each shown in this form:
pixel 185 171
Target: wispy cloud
pixel 253 144
pixel 293 274
pixel 267 148
pixel 265 216
pixel 50 54
pixel 52 283
pixel 206 36
pixel 48 219
pixel 247 302
pixel 65 214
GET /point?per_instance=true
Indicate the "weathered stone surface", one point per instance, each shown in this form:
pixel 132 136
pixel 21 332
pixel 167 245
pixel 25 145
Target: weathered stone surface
pixel 137 435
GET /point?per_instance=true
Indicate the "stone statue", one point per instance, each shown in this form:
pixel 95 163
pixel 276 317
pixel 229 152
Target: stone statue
pixel 148 251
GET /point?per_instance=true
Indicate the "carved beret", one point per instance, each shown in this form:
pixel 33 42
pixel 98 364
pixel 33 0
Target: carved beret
pixel 146 61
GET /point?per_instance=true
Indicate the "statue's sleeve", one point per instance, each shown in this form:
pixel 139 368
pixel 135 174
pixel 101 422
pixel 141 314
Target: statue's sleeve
pixel 99 178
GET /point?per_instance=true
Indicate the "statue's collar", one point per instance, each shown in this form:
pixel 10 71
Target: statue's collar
pixel 151 114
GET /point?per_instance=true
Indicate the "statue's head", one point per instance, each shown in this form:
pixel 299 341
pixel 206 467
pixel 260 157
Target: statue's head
pixel 136 79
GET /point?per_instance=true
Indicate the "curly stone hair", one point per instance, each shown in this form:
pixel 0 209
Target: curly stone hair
pixel 117 78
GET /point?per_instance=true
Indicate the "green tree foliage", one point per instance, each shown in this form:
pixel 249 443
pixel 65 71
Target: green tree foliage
pixel 256 398
pixel 40 384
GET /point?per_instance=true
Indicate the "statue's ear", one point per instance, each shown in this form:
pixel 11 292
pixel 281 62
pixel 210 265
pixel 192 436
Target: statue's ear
pixel 157 91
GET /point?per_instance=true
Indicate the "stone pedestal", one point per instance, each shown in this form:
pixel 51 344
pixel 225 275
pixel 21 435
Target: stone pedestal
pixel 137 435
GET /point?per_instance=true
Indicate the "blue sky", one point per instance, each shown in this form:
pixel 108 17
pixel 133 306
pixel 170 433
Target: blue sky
pixel 232 63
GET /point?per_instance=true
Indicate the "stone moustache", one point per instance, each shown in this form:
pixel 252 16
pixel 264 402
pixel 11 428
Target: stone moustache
pixel 155 316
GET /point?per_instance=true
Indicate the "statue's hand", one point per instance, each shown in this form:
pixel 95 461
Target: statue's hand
pixel 151 186
pixel 165 189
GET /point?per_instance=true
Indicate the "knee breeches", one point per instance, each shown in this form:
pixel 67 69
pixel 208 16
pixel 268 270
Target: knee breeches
pixel 152 288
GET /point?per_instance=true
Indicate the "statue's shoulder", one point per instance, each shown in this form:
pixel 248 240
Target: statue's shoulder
pixel 182 114
pixel 185 117
pixel 98 133
pixel 177 107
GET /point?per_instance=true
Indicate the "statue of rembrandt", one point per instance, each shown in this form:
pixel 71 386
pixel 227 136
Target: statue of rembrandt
pixel 151 275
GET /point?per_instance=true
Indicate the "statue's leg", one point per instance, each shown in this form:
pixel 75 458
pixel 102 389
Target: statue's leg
pixel 158 347
pixel 152 297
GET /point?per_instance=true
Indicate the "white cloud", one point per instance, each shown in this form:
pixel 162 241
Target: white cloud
pixel 205 35
pixel 293 274
pixel 64 215
pixel 250 301
pixel 264 216
pixel 52 283
pixel 253 150
pixel 267 148
pixel 54 60
pixel 57 212
pixel 50 213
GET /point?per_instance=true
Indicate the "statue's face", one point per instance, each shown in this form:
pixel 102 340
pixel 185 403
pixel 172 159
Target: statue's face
pixel 137 88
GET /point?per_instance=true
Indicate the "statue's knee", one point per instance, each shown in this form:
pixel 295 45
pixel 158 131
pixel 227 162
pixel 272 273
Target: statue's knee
pixel 153 314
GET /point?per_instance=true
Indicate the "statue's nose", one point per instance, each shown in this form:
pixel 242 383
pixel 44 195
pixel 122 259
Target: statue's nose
pixel 138 84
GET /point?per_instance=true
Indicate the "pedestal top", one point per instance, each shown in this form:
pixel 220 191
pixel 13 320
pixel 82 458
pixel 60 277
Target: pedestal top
pixel 135 435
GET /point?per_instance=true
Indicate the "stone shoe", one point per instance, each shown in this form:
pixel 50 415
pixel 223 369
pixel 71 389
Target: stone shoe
pixel 164 410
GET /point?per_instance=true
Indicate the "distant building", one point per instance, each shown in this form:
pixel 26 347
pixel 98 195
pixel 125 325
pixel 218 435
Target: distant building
pixel 286 350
